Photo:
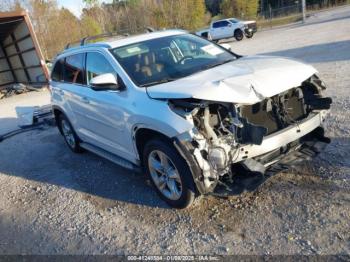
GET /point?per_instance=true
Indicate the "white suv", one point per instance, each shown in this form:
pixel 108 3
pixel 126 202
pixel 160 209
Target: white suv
pixel 196 117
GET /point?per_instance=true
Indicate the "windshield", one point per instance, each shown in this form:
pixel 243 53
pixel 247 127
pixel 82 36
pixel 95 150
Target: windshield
pixel 234 20
pixel 169 58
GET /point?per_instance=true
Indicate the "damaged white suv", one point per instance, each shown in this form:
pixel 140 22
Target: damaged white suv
pixel 196 117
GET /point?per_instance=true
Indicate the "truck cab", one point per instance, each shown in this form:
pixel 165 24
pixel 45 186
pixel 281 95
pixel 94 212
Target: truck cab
pixel 227 28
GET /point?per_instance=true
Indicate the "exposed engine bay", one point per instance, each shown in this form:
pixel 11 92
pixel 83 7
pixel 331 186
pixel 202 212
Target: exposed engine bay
pixel 223 131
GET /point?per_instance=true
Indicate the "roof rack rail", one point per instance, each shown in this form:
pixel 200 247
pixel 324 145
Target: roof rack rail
pixel 84 40
pixel 88 38
pixel 150 29
pixel 69 45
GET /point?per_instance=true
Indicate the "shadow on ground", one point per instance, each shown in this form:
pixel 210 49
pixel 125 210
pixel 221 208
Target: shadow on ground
pixel 8 124
pixel 43 156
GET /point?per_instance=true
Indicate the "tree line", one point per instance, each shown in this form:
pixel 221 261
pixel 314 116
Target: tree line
pixel 55 27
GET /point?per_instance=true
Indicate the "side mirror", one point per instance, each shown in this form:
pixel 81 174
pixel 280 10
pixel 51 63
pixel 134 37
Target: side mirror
pixel 226 46
pixel 104 82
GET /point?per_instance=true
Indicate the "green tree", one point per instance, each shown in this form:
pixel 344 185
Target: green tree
pixel 197 12
pixel 213 6
pixel 186 14
pixel 90 26
pixel 240 8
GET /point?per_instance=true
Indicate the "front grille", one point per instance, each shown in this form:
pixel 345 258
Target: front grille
pixel 252 26
pixel 276 112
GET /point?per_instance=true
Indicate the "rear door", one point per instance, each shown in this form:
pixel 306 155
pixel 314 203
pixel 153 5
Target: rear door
pixel 216 30
pixel 67 84
pixel 72 87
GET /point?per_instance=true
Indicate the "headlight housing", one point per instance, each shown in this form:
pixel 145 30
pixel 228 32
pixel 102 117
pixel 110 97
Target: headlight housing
pixel 315 78
pixel 217 158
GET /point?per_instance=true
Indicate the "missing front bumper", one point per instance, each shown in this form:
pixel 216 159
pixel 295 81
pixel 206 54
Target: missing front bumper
pixel 278 151
pixel 247 178
pixel 282 137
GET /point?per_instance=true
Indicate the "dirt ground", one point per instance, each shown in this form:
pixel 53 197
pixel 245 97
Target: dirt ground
pixel 55 202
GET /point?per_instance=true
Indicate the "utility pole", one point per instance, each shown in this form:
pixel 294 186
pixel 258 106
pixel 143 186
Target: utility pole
pixel 303 7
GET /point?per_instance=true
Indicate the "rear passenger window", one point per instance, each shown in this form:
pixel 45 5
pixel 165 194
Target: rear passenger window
pixel 97 64
pixel 216 25
pixel 74 69
pixel 56 74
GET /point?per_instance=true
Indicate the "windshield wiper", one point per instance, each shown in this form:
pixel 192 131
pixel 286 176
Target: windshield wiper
pixel 162 81
pixel 217 64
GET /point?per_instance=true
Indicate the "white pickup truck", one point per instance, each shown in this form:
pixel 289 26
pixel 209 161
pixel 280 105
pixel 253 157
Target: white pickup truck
pixel 227 28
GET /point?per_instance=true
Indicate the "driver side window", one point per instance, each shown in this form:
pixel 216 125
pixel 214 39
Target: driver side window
pixel 224 23
pixel 97 64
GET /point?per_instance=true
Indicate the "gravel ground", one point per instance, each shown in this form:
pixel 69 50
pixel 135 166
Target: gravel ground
pixel 55 202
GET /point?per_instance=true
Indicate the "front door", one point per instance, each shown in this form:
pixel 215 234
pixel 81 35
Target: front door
pixel 104 112
pixel 226 28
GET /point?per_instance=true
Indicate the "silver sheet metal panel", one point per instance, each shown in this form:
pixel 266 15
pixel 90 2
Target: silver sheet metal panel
pixel 21 60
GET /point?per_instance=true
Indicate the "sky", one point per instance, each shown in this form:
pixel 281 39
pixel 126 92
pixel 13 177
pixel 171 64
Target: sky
pixel 75 6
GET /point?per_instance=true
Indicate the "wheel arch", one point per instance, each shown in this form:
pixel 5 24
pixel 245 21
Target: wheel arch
pixel 144 134
pixel 237 30
pixel 57 111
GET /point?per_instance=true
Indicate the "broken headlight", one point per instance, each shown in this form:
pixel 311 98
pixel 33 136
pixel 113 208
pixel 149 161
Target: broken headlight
pixel 316 80
pixel 217 158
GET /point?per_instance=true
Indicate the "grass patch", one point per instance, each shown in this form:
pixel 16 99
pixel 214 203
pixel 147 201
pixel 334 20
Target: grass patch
pixel 265 23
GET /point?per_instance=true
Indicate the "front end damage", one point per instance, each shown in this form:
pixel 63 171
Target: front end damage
pixel 235 147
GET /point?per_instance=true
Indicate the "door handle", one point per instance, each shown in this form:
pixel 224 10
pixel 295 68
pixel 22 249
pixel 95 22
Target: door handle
pixel 85 100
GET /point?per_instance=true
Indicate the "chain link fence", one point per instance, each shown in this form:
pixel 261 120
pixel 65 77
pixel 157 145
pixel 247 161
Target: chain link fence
pixel 271 13
pixel 293 11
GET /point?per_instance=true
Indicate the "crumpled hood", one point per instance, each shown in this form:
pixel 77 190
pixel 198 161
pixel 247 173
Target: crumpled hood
pixel 247 80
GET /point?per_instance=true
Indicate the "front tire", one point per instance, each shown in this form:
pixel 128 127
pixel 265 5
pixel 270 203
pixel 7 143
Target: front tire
pixel 169 173
pixel 69 134
pixel 238 34
pixel 249 35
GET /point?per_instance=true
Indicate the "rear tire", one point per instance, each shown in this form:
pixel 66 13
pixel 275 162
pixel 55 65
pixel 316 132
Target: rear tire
pixel 169 173
pixel 238 34
pixel 69 134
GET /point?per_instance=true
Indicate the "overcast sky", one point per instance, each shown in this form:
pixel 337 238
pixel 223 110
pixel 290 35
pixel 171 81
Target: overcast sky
pixel 75 6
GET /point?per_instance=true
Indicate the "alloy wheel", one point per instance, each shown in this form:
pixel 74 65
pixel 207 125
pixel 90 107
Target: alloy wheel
pixel 165 175
pixel 68 133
